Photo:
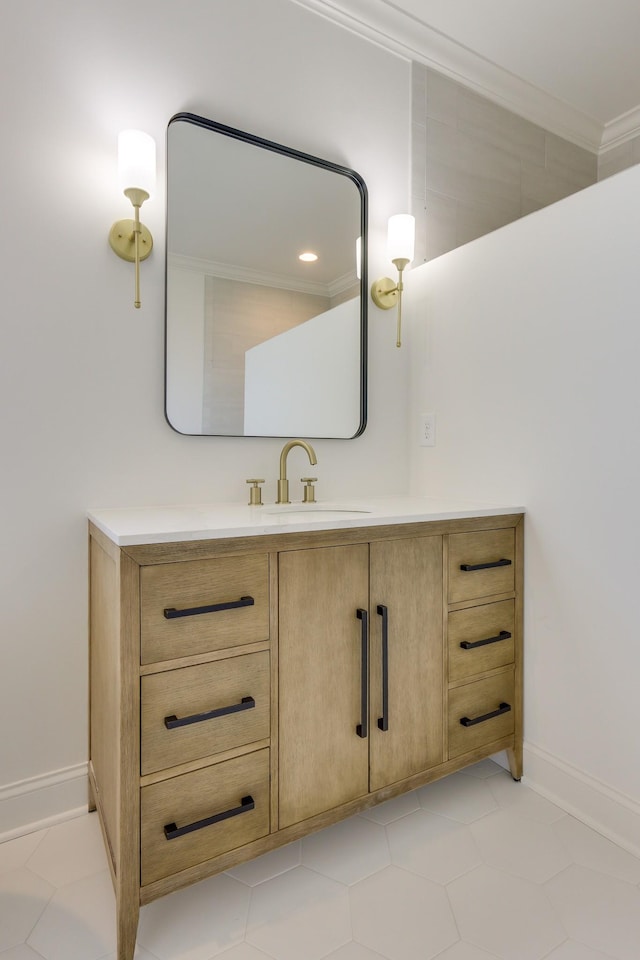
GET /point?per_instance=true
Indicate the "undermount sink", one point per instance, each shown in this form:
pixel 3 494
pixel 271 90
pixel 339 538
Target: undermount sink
pixel 323 509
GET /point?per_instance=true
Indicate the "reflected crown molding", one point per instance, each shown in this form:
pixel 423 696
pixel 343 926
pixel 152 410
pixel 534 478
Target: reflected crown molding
pixel 230 271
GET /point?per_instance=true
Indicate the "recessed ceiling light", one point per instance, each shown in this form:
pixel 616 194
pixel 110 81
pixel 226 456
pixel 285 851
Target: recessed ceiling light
pixel 308 257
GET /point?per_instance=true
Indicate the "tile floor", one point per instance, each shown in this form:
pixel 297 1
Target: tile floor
pixel 474 867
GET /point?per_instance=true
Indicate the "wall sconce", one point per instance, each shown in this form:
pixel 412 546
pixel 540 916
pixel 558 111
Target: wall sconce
pixel 130 239
pixel 400 246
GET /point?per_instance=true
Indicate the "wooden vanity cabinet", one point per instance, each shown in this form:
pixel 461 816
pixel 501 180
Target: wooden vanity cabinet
pixel 246 692
pixel 360 693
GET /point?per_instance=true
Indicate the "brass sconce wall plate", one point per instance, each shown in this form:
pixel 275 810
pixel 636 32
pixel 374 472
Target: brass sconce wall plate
pixel 122 240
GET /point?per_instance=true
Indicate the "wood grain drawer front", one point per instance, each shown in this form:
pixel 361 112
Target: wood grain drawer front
pixel 480 639
pixel 200 711
pixel 192 801
pixel 481 564
pixel 175 599
pixel 482 706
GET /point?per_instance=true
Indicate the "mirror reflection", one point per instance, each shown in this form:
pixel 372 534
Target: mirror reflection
pixel 265 313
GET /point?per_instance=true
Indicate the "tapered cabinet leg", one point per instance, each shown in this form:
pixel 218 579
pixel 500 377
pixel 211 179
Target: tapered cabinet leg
pixel 514 755
pixel 128 914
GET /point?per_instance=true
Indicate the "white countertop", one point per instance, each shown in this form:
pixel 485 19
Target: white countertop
pixel 209 521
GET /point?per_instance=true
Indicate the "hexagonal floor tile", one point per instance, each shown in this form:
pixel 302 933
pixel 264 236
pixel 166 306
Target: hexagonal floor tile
pixel 402 915
pixel 483 769
pixel 198 922
pixel 348 851
pixel 466 951
pixel 458 797
pixel 393 809
pixel 521 847
pixel 522 799
pixel 598 910
pixel 591 849
pixel 21 952
pixel 243 951
pixel 505 915
pixel 268 865
pixel 572 950
pixel 15 853
pixel 354 951
pixel 299 914
pixel 432 846
pixel 71 851
pixel 79 923
pixel 23 898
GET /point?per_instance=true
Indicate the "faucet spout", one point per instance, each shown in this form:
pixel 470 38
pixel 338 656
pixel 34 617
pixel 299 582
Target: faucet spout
pixel 283 483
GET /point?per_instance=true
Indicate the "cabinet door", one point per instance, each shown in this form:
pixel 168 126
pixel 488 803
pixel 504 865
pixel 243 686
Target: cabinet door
pixel 406 589
pixel 323 762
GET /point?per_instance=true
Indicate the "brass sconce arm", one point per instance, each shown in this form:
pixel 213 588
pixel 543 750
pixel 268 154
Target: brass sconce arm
pixel 386 294
pixel 130 239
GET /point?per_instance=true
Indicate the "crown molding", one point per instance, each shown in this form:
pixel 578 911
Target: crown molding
pixel 230 271
pixel 383 23
pixel 624 128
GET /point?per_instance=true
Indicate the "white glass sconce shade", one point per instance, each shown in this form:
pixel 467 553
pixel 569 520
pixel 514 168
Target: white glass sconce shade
pixel 401 234
pixel 136 161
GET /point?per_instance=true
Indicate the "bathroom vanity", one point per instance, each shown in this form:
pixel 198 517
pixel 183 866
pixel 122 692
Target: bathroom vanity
pixel 260 673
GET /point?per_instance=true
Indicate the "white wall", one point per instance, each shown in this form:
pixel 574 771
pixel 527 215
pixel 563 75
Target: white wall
pixel 526 344
pixel 81 376
pixel 298 378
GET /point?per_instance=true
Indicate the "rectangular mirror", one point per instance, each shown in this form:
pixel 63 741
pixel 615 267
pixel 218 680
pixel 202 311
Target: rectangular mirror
pixel 260 340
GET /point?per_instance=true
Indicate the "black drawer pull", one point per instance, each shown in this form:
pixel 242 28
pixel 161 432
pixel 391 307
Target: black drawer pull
pixel 469 645
pixel 171 613
pixel 503 708
pixel 383 721
pixel 469 567
pixel 362 727
pixel 172 832
pixel 247 703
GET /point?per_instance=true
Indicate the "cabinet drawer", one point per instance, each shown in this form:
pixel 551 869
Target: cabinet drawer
pixel 199 711
pixel 481 638
pixel 175 601
pixel 193 800
pixel 481 564
pixel 475 702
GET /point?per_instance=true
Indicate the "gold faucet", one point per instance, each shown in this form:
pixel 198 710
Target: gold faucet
pixel 283 483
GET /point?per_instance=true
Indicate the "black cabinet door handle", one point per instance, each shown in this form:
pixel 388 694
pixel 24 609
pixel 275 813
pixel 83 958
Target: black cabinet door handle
pixel 469 645
pixel 383 721
pixel 503 708
pixel 362 728
pixel 469 567
pixel 172 832
pixel 171 613
pixel 247 703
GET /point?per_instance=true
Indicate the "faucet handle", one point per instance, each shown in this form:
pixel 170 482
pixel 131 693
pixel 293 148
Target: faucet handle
pixel 309 490
pixel 255 493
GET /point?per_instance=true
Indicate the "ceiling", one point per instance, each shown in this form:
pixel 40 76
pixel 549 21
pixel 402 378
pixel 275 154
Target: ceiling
pixel 570 65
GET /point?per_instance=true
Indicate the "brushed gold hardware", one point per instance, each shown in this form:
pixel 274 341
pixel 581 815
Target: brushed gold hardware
pixel 283 483
pixel 385 294
pixel 255 493
pixel 309 495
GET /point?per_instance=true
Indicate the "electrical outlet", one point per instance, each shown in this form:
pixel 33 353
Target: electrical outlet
pixel 427 435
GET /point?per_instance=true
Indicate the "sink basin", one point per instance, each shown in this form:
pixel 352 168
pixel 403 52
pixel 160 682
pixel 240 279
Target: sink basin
pixel 324 511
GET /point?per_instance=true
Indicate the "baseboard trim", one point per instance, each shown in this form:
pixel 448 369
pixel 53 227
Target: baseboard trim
pixel 39 802
pixel 613 814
